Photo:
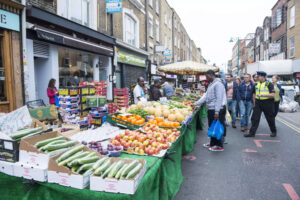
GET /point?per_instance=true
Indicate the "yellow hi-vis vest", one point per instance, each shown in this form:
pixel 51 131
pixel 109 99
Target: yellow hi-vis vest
pixel 262 89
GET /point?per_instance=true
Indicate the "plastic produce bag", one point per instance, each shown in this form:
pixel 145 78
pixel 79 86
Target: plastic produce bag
pixel 216 130
pixel 228 118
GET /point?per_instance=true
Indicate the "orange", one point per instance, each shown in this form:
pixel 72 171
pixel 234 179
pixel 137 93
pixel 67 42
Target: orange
pixel 160 124
pixel 119 117
pixel 133 121
pixel 177 124
pixel 159 119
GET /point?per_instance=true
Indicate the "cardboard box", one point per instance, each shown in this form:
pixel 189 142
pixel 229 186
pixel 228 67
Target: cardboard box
pixel 113 185
pixel 30 172
pixel 63 176
pixel 32 156
pixel 7 168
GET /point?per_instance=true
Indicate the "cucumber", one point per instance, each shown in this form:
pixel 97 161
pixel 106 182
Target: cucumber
pixel 60 146
pixel 99 162
pixel 76 161
pixel 44 142
pixel 115 170
pixel 129 167
pixel 92 159
pixel 134 172
pixel 89 172
pixel 52 143
pixel 22 133
pixel 76 155
pixel 108 170
pixel 85 167
pixel 120 171
pixel 74 168
pixel 58 151
pixel 70 153
pixel 103 167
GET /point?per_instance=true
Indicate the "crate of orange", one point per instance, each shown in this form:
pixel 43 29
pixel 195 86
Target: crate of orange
pixel 128 121
pixel 162 123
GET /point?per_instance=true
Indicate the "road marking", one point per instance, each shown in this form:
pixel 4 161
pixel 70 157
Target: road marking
pixel 295 128
pixel 250 151
pixel 189 157
pixel 258 142
pixel 290 190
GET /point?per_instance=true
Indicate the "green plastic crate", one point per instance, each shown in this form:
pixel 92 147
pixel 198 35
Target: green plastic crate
pixel 122 123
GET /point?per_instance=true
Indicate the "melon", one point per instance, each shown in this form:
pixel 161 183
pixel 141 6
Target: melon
pixel 151 110
pixel 179 117
pixel 172 117
pixel 166 113
pixel 157 113
pixel 139 105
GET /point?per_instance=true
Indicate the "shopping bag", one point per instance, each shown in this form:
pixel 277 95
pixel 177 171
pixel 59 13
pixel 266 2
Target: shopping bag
pixel 228 118
pixel 216 130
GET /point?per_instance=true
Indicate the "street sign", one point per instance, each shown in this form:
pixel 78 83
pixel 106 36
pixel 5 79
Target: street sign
pixel 167 52
pixel 159 49
pixel 274 48
pixel 113 6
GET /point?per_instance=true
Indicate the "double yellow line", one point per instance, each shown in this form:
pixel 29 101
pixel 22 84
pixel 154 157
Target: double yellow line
pixel 292 126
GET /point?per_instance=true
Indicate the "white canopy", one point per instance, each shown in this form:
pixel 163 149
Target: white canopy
pixel 272 67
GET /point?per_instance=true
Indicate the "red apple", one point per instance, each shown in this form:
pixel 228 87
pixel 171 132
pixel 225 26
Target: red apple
pixel 126 145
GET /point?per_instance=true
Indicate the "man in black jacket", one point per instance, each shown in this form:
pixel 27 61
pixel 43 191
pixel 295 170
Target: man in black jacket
pixel 155 93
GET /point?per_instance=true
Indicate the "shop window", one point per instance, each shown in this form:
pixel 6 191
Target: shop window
pixel 74 67
pixel 3 96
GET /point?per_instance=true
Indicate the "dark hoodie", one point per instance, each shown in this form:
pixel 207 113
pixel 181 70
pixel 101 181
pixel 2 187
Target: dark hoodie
pixel 246 92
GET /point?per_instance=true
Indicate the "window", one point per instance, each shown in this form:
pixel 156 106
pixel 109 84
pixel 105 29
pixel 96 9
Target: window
pixel 170 43
pixel 3 95
pixel 178 43
pixel 74 67
pixel 175 39
pixel 257 41
pixel 278 17
pixel 292 17
pixel 157 31
pixel 170 23
pixel 151 25
pixel 266 54
pixel 76 10
pixel 175 24
pixel 292 47
pixel 166 41
pixel 166 19
pixel 151 3
pixel 157 6
pixel 130 30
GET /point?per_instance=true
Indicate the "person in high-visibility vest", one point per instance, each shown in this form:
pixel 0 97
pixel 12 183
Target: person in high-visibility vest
pixel 263 101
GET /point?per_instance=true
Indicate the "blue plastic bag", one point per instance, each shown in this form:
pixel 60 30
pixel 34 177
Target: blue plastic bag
pixel 216 130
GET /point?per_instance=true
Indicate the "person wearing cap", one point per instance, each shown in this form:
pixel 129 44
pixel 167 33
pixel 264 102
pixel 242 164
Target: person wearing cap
pixel 263 100
pixel 215 99
pixel 155 93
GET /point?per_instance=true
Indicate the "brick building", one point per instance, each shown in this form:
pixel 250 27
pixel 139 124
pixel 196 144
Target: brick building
pixel 279 31
pixel 293 30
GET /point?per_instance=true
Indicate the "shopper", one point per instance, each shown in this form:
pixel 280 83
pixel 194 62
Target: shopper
pixel 263 102
pixel 255 78
pixel 51 91
pixel 238 81
pixel 155 93
pixel 138 92
pixel 278 94
pixel 231 94
pixel 168 90
pixel 245 92
pixel 215 99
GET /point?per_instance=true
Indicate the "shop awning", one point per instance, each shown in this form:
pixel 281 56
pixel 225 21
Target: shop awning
pixel 59 38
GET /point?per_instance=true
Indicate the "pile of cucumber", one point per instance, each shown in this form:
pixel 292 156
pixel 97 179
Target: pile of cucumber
pixel 25 132
pixel 54 146
pixel 119 170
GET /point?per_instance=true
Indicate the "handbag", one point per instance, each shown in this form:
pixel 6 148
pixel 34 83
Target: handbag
pixel 228 118
pixel 216 130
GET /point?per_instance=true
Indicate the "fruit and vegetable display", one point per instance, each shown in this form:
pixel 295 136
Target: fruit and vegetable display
pixel 106 150
pixel 25 133
pixel 139 112
pixel 118 169
pixel 133 119
pixel 149 140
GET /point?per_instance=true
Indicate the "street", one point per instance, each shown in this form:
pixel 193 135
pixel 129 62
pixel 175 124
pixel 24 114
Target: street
pixel 260 168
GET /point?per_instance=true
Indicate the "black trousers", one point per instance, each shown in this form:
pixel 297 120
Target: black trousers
pixel 276 108
pixel 211 118
pixel 267 107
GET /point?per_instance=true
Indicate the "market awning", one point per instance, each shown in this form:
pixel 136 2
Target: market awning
pixel 187 68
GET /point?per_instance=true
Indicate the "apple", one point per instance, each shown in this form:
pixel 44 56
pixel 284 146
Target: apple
pixel 159 139
pixel 150 152
pixel 154 144
pixel 136 150
pixel 148 125
pixel 130 150
pixel 135 142
pixel 117 143
pixel 122 134
pixel 141 152
pixel 126 145
pixel 125 138
pixel 146 142
pixel 132 145
pixel 118 137
pixel 131 138
pixel 127 132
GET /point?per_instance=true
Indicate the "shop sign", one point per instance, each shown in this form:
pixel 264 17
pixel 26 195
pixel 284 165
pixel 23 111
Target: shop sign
pixel 274 48
pixel 113 6
pixel 50 37
pixel 124 57
pixel 9 20
pixel 167 52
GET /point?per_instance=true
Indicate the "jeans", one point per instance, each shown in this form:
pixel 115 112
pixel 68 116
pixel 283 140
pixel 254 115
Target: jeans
pixel 232 104
pixel 210 116
pixel 245 109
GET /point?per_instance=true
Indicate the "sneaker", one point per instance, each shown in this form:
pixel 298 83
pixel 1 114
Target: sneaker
pixel 216 148
pixel 225 141
pixel 207 145
pixel 233 126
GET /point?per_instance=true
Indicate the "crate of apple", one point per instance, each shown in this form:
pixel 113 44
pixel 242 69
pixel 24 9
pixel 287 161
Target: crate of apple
pixel 109 150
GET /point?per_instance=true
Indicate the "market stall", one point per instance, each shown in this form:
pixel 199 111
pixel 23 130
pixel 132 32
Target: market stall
pixel 159 178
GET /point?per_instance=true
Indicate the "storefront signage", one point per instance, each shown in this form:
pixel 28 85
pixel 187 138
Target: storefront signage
pixel 124 57
pixel 9 20
pixel 274 48
pixel 113 6
pixel 50 37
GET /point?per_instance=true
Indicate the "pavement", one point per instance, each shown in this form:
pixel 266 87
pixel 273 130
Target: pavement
pixel 260 168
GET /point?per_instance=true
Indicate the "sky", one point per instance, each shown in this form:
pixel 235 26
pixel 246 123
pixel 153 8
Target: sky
pixel 211 23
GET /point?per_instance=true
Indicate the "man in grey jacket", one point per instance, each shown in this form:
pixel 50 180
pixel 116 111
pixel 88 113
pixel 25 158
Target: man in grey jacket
pixel 215 99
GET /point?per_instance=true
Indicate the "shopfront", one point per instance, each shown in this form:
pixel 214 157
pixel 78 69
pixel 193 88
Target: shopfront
pixel 131 65
pixel 11 93
pixel 84 55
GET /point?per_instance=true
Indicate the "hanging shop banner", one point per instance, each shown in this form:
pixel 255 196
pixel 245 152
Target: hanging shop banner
pixel 113 6
pixel 274 48
pixel 9 20
pixel 124 57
